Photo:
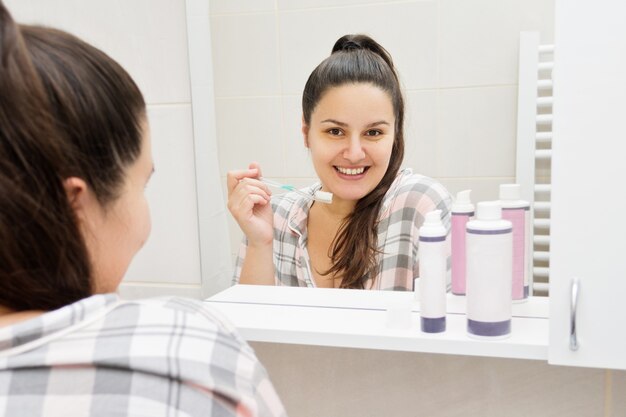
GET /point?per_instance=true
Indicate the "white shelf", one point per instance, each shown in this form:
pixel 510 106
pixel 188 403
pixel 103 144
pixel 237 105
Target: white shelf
pixel 358 319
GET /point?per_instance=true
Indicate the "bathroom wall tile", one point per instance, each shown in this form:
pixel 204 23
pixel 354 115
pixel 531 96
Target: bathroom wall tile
pixel 245 55
pixel 407 30
pixel 618 394
pixel 298 161
pixel 476 132
pixel 144 36
pixel 241 6
pixel 420 134
pixel 172 252
pixel 249 129
pixel 479 39
pixel 483 189
pixel 234 231
pixel 426 384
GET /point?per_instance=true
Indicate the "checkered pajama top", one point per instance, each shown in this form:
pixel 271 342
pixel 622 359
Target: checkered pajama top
pixel 104 357
pixel 404 207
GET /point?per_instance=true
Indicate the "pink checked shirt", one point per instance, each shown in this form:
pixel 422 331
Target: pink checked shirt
pixel 406 203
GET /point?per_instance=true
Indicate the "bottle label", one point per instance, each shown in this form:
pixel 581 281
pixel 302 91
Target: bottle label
pixel 433 277
pixel 489 276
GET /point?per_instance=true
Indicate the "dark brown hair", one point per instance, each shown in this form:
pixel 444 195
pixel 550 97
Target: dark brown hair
pixel 66 110
pixel 359 59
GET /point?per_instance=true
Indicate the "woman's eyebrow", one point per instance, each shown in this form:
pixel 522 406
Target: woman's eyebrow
pixel 337 122
pixel 381 122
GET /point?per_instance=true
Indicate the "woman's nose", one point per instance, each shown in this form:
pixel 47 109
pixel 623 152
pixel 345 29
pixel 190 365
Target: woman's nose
pixel 354 151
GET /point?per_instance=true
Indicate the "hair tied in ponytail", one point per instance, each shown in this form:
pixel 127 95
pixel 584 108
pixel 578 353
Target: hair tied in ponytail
pixel 351 45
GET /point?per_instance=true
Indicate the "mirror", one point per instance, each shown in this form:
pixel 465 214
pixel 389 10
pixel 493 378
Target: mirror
pixel 457 60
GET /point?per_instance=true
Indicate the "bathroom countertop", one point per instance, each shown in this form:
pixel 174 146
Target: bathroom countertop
pixel 360 319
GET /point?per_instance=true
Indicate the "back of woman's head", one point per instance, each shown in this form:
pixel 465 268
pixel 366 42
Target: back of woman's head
pixel 359 59
pixel 66 110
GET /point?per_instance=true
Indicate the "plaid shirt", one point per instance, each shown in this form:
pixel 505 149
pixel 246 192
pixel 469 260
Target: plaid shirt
pixel 158 357
pixel 406 203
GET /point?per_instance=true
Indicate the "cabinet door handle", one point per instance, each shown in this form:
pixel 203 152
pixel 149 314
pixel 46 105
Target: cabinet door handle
pixel 573 340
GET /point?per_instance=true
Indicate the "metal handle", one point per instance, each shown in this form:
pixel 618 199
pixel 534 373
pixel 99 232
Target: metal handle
pixel 573 340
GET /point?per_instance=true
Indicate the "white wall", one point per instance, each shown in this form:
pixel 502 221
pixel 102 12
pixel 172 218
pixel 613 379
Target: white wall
pixel 457 60
pixel 149 39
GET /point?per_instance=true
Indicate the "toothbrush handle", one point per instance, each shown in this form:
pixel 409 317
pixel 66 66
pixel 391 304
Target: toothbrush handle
pixel 274 183
pixel 286 187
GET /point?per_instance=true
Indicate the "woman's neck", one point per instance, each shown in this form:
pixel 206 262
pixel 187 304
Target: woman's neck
pixel 9 317
pixel 338 209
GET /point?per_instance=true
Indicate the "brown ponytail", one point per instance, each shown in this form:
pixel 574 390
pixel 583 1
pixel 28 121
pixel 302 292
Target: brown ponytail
pixel 66 109
pixel 359 59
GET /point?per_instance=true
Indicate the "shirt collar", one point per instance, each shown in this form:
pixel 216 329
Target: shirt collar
pixel 54 321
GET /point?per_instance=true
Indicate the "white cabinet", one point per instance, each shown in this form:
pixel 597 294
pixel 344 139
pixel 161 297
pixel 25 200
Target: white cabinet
pixel 588 226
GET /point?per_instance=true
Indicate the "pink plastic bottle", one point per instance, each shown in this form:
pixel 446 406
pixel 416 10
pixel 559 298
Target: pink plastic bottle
pixel 517 211
pixel 462 212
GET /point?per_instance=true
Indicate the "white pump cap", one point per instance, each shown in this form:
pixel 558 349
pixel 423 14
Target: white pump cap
pixel 462 203
pixel 433 226
pixel 510 191
pixel 489 210
pixel 433 218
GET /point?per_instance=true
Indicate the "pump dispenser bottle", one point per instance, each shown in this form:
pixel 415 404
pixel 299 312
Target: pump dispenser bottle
pixel 489 272
pixel 462 211
pixel 517 211
pixel 433 273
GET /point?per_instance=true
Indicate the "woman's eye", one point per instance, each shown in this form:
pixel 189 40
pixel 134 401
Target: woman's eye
pixel 335 131
pixel 373 132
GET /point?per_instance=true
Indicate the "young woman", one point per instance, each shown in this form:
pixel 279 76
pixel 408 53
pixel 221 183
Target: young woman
pixel 75 158
pixel 353 116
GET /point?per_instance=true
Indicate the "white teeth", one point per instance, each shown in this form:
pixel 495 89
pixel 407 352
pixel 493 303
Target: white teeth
pixel 348 171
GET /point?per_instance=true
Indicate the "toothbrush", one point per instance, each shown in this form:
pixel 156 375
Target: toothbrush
pixel 321 196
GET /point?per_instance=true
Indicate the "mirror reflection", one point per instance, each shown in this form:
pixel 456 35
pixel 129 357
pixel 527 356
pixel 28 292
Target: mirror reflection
pixel 458 69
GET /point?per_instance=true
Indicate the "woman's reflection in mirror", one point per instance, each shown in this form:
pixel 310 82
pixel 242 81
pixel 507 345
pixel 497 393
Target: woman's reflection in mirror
pixel 367 238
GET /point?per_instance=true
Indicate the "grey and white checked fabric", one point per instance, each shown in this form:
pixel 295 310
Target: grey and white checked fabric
pixel 405 205
pixel 158 357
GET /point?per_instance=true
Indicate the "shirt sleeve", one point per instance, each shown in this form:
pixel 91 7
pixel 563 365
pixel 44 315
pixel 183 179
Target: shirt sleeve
pixel 236 375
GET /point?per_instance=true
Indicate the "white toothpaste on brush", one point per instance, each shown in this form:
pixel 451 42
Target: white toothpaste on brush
pixel 321 196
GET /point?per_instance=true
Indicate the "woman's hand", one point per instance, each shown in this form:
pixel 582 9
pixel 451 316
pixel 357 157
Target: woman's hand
pixel 249 203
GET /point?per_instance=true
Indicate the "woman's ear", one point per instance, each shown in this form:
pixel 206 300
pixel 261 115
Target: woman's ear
pixel 76 191
pixel 305 132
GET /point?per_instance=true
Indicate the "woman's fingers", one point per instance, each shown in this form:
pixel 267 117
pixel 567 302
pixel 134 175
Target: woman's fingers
pixel 248 176
pixel 233 177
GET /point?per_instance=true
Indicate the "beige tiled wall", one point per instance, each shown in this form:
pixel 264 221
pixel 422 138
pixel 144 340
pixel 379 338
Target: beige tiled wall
pixel 338 382
pixel 149 39
pixel 457 61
